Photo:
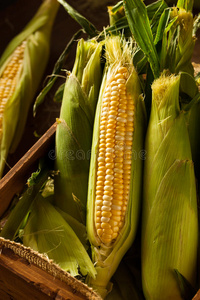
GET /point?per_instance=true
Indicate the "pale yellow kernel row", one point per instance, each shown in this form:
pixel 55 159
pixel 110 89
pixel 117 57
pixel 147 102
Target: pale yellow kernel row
pixel 113 171
pixel 8 79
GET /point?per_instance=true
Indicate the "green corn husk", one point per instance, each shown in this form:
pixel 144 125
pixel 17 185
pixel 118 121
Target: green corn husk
pixel 48 232
pixel 189 88
pixel 36 223
pixel 108 257
pixel 87 26
pixel 139 23
pixel 169 220
pixel 178 41
pixel 74 130
pixel 190 3
pixel 20 211
pixel 37 36
pixel 59 65
pixel 115 13
pixel 124 285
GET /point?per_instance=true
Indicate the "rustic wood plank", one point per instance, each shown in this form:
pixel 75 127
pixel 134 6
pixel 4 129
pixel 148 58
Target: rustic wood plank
pixel 19 280
pixel 14 181
pixel 197 296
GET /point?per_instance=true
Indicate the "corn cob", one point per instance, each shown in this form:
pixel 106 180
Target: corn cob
pixel 9 78
pixel 169 221
pixel 21 68
pixel 74 130
pixel 114 190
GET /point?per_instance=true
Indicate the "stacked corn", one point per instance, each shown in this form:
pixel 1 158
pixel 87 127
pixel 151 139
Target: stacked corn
pixel 105 191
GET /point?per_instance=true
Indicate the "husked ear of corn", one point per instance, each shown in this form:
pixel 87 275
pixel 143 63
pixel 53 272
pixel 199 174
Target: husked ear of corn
pixel 169 220
pixel 116 163
pixel 74 129
pixel 21 69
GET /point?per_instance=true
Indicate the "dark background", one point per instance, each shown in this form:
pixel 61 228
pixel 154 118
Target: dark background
pixel 14 15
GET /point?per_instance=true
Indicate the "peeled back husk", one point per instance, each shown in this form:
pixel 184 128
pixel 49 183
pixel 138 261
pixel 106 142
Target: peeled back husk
pixel 107 257
pixel 48 232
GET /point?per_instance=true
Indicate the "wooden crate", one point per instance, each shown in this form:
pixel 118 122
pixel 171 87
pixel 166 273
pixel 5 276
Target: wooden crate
pixel 24 272
pixel 13 182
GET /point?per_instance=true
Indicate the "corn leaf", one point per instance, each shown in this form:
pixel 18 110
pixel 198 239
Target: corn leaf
pixel 155 12
pixel 120 24
pixel 139 24
pixel 158 23
pixel 155 9
pixel 186 4
pixel 115 12
pixel 117 7
pixel 87 26
pixel 163 21
pixel 59 93
pixel 166 42
pixel 56 71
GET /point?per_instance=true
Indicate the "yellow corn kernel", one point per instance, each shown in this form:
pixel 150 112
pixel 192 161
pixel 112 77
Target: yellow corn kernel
pixel 115 136
pixel 8 78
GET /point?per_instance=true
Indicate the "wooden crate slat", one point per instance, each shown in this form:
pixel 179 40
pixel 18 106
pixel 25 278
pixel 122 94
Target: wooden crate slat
pixel 13 182
pixel 20 279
